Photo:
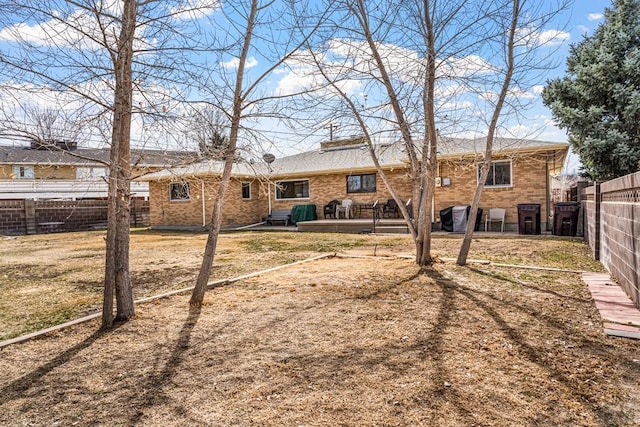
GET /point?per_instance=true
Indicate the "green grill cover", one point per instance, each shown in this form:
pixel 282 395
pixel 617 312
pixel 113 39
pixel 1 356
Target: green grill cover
pixel 301 213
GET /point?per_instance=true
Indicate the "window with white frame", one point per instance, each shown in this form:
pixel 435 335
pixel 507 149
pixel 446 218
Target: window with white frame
pixel 292 189
pixel 25 172
pixel 499 174
pixel 179 191
pixel 246 191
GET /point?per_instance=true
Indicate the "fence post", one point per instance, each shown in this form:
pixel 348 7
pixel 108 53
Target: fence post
pixel 30 216
pixel 596 230
pixel 133 212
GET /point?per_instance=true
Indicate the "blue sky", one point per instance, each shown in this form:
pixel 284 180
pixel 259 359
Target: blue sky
pixel 582 19
pixel 537 123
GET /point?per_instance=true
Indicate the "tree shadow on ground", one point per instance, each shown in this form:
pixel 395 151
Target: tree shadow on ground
pixel 154 387
pixel 440 396
pixel 19 387
pixel 539 356
pixel 501 278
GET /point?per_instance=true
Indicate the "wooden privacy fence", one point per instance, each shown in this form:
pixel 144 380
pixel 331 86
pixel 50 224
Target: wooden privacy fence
pixel 18 217
pixel 612 228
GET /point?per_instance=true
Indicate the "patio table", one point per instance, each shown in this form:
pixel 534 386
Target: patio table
pixel 359 207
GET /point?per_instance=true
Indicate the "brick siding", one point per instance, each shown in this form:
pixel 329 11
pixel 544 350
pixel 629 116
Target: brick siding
pixel 195 213
pixel 529 186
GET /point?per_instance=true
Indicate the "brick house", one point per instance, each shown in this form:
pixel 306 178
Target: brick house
pixel 521 172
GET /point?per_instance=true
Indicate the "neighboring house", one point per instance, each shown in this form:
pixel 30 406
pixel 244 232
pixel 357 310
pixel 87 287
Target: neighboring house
pixel 68 172
pixel 521 173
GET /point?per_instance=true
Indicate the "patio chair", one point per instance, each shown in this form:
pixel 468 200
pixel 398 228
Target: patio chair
pixel 390 208
pixel 495 215
pixel 345 209
pixel 330 209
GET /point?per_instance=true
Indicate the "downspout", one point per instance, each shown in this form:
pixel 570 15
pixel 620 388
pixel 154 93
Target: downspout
pixel 433 209
pixel 204 206
pixel 269 193
pixel 547 190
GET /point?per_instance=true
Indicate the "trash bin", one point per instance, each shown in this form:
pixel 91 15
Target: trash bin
pixel 565 218
pixel 529 218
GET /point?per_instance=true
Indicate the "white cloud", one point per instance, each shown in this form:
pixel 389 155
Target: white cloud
pixel 456 105
pixel 75 28
pixel 81 29
pixel 351 64
pixel 537 89
pixel 464 67
pixel 234 62
pixel 523 94
pixel 404 64
pixel 53 32
pixel 487 95
pixel 306 78
pixel 595 16
pixel 532 37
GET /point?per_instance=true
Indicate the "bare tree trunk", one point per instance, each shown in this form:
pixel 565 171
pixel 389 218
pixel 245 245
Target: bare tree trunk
pixel 197 297
pixel 117 277
pixel 473 213
pixel 110 252
pixel 420 179
pixel 430 143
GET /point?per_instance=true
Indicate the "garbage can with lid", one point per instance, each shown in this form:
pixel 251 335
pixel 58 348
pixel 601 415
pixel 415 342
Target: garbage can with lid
pixel 529 218
pixel 565 218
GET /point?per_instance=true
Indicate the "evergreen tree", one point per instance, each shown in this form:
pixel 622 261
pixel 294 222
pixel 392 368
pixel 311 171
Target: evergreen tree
pixel 598 100
pixel 213 146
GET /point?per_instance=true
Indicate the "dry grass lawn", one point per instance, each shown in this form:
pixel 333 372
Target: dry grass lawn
pixel 347 340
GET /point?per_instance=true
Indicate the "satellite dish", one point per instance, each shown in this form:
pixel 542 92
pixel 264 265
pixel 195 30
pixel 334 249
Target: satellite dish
pixel 269 158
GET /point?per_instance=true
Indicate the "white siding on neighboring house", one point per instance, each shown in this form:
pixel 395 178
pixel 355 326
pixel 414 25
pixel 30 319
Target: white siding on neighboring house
pixel 62 189
pixel 91 172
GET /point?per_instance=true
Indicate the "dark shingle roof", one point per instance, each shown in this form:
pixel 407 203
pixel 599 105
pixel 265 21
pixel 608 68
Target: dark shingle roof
pixel 91 156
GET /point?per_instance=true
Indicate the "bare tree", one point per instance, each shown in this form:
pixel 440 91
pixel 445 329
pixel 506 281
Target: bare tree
pixel 116 276
pixel 413 71
pixel 509 59
pixel 211 132
pixel 98 56
pixel 247 95
pixel 400 52
pixel 519 51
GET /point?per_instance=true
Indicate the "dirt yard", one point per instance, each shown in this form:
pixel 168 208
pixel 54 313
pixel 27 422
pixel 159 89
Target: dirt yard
pixel 355 339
